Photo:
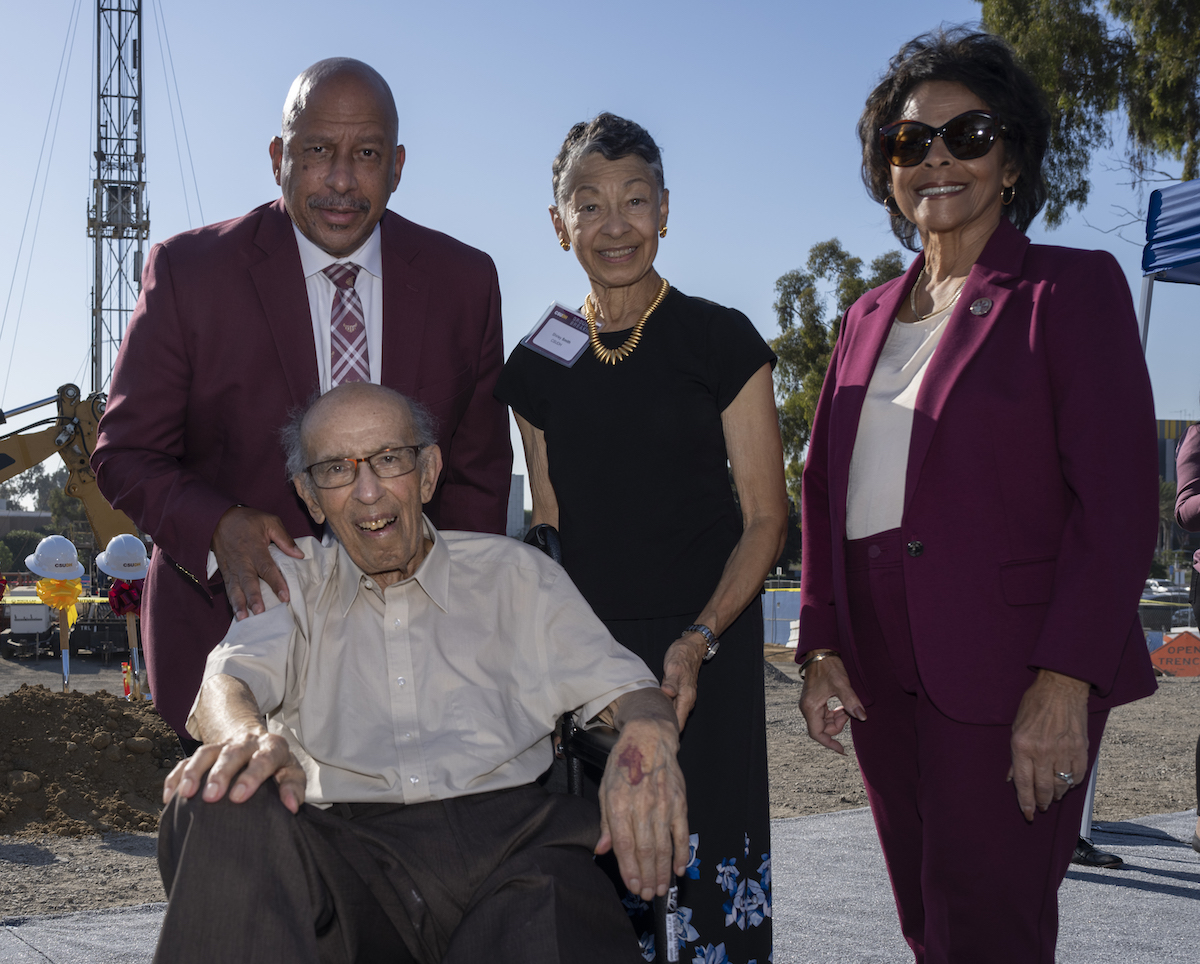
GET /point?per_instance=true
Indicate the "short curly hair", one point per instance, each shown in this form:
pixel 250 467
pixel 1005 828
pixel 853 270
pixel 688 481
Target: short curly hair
pixel 607 134
pixel 987 66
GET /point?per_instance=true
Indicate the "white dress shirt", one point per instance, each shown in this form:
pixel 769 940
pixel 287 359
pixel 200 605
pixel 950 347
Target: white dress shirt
pixel 445 684
pixel 368 284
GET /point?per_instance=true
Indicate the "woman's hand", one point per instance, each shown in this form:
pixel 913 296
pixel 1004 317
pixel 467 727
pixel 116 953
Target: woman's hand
pixel 681 668
pixel 826 679
pixel 1049 736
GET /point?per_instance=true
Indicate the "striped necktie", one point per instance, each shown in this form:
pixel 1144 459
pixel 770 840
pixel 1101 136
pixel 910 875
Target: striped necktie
pixel 348 329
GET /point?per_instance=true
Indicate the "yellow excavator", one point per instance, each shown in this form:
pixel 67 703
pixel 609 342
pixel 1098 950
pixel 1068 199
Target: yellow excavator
pixel 72 434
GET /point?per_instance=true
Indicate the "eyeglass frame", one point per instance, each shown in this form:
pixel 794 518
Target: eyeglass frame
pixel 998 132
pixel 415 449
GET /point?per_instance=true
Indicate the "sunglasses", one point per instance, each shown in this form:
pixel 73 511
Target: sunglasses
pixel 905 143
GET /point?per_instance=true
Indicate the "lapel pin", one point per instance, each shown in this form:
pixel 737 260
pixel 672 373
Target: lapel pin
pixel 981 306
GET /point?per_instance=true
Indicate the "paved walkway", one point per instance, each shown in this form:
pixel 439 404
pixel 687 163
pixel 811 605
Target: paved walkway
pixel 832 903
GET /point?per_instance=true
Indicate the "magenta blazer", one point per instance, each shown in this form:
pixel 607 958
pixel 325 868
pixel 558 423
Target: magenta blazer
pixel 1187 473
pixel 220 349
pixel 1031 496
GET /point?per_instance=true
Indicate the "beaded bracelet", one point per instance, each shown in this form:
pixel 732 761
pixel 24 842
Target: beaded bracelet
pixel 816 658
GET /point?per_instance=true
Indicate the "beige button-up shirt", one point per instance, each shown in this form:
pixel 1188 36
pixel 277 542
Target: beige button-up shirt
pixel 445 684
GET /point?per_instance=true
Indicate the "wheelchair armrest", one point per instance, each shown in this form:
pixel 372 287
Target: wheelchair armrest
pixel 592 746
pixel 545 537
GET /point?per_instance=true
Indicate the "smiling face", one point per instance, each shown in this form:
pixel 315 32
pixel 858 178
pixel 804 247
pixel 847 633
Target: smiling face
pixel 377 520
pixel 338 161
pixel 612 217
pixel 942 194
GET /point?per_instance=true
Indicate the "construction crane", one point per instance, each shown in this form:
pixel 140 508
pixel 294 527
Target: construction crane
pixel 118 213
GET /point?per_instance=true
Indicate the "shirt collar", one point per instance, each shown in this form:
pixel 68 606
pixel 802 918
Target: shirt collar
pixel 432 575
pixel 314 260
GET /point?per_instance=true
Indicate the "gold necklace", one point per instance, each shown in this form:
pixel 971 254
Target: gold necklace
pixel 912 298
pixel 610 356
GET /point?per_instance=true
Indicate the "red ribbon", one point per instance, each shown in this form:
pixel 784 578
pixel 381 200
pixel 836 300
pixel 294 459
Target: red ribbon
pixel 126 597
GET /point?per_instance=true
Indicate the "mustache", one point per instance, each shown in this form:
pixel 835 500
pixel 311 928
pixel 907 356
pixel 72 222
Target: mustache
pixel 340 202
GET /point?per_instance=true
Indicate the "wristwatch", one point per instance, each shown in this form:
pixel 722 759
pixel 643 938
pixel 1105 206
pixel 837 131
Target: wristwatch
pixel 713 643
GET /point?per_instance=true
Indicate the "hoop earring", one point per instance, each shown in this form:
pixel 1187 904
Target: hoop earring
pixel 1007 194
pixel 662 232
pixel 892 207
pixel 565 244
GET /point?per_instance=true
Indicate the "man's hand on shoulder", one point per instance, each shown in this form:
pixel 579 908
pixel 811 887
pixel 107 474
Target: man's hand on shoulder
pixel 241 544
pixel 643 800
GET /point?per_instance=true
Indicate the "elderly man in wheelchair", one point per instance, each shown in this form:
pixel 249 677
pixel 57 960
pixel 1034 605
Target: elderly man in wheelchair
pixel 366 788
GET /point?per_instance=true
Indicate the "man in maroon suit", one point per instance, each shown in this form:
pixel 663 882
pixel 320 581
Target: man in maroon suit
pixel 242 321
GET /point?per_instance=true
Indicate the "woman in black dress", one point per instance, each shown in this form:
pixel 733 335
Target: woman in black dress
pixel 630 452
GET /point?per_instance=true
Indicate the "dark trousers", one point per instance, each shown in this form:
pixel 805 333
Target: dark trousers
pixel 974 883
pixel 506 876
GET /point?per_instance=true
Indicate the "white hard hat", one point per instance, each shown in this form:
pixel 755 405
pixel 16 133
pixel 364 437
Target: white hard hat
pixel 125 558
pixel 55 558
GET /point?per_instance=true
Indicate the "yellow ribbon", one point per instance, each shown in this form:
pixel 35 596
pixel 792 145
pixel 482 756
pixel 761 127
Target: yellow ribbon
pixel 61 594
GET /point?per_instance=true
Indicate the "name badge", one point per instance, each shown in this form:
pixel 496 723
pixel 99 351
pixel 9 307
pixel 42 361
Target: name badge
pixel 560 334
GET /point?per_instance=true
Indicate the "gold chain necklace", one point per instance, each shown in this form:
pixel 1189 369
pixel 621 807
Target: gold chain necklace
pixel 912 298
pixel 610 356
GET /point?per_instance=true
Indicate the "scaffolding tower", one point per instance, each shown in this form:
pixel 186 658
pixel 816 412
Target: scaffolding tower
pixel 118 213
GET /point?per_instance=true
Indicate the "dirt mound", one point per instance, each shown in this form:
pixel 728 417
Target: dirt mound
pixel 75 763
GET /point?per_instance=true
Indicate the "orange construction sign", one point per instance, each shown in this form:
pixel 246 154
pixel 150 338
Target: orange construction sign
pixel 1178 656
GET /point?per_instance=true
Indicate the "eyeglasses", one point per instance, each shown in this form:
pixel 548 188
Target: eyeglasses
pixel 905 143
pixel 386 464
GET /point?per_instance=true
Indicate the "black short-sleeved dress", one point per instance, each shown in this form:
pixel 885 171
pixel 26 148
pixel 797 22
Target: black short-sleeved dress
pixel 647 519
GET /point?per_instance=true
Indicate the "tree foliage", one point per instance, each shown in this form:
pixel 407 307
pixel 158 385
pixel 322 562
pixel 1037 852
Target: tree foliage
pixel 807 335
pixel 1139 56
pixel 31 489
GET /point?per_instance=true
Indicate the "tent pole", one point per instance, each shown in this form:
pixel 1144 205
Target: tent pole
pixel 1144 308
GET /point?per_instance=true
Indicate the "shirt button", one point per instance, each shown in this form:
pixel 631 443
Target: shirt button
pixel 368 584
pixel 414 779
pixel 399 680
pixel 397 624
pixel 915 548
pixel 408 736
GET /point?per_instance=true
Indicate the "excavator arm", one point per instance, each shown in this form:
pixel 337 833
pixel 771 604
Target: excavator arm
pixel 73 436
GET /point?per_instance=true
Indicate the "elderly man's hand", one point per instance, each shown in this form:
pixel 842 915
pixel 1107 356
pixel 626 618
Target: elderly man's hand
pixel 1049 736
pixel 240 544
pixel 247 760
pixel 643 801
pixel 826 679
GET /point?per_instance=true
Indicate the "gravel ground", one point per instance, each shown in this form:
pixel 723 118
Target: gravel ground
pixel 1147 767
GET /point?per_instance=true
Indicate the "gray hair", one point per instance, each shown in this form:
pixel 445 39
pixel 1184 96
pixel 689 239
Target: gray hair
pixel 607 134
pixel 424 426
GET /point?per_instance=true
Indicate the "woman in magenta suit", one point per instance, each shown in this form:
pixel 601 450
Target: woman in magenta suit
pixel 1187 514
pixel 979 508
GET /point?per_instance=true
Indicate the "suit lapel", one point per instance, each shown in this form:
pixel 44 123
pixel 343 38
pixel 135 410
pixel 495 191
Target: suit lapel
pixel 990 280
pixel 864 344
pixel 406 292
pixel 279 280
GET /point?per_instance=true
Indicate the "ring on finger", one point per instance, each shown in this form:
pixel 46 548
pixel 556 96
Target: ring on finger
pixel 1067 778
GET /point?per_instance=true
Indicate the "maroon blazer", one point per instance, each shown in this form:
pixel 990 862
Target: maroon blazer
pixel 1031 497
pixel 1187 474
pixel 220 349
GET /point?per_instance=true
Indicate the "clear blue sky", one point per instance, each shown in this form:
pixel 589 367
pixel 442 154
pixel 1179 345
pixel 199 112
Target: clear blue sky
pixel 753 104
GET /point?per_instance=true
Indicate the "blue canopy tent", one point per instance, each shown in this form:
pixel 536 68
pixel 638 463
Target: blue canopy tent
pixel 1172 251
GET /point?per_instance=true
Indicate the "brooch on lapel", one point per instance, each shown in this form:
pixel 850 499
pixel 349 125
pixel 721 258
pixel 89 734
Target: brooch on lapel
pixel 981 306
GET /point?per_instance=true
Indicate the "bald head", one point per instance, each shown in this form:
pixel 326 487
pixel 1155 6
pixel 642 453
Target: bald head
pixel 344 68
pixel 336 158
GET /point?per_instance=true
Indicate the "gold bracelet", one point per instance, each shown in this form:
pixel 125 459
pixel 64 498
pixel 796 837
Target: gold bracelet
pixel 816 658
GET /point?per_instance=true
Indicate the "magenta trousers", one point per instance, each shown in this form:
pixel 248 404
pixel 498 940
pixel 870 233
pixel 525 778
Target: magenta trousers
pixel 974 883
